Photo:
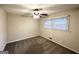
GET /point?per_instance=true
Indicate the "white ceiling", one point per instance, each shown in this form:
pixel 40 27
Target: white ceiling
pixel 27 8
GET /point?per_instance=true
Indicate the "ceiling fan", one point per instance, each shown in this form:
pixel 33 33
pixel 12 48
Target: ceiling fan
pixel 37 13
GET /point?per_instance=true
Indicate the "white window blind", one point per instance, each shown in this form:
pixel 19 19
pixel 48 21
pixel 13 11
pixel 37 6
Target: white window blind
pixel 57 23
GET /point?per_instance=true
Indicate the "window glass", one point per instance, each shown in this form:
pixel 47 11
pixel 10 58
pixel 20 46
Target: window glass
pixel 58 23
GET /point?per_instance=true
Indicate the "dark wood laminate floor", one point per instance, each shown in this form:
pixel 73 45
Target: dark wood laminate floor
pixel 36 45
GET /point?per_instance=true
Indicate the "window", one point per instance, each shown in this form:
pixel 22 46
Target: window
pixel 57 23
pixel 48 24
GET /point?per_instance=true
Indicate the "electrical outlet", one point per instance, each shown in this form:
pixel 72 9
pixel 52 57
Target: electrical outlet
pixel 50 37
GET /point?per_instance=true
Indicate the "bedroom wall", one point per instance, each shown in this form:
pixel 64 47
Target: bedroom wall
pixel 20 28
pixel 3 29
pixel 69 39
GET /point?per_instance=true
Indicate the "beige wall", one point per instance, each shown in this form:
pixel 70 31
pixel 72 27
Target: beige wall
pixel 3 29
pixel 69 39
pixel 20 28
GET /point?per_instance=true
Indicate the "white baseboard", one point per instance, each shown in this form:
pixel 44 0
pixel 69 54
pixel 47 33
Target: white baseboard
pixel 20 39
pixel 4 46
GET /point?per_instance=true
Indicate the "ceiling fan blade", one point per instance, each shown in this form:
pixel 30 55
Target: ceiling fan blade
pixel 36 9
pixel 27 15
pixel 18 11
pixel 44 14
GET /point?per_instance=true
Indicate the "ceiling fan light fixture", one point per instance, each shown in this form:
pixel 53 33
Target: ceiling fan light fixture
pixel 36 15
